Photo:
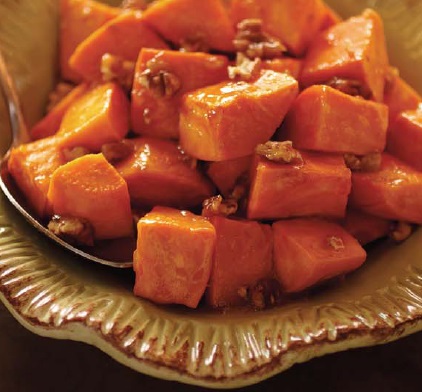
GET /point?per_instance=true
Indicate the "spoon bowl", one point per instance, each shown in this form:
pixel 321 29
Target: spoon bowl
pixel 112 253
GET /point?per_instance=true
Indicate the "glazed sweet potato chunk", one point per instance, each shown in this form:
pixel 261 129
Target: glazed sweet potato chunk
pixel 123 36
pixel 227 120
pixel 242 257
pixel 31 166
pixel 90 188
pixel 325 119
pixel 308 251
pixel 173 257
pixel 78 19
pixel 319 185
pixel 294 23
pixel 190 23
pixel 286 64
pixel 404 138
pixel 354 49
pixel 100 116
pixel 161 79
pixel 394 192
pixel 159 173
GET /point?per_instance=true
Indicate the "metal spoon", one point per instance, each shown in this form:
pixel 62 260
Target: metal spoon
pixel 20 135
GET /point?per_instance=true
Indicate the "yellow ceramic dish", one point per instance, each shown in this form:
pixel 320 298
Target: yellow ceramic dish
pixel 57 295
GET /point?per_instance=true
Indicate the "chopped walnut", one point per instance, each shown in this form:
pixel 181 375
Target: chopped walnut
pixel 401 231
pixel 195 43
pixel 116 69
pixel 245 68
pixel 134 4
pixel 350 87
pixel 282 152
pixel 217 206
pixel 261 295
pixel 366 163
pixel 61 90
pixel 70 154
pixel 253 42
pixel 73 230
pixel 115 152
pixel 336 243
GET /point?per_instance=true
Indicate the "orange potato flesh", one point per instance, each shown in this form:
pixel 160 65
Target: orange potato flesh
pixel 325 119
pixel 353 49
pixel 182 21
pixel 304 256
pixel 286 64
pixel 158 115
pixel 31 166
pixel 90 188
pixel 243 256
pixel 50 124
pixel 159 173
pixel 394 192
pixel 173 257
pixel 294 23
pixel 320 186
pixel 100 116
pixel 227 120
pixel 404 139
pixel 123 36
pixel 78 19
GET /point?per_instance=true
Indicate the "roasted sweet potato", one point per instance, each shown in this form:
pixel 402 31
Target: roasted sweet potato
pixel 173 257
pixel 90 188
pixel 319 186
pixel 159 173
pixel 227 120
pixel 324 119
pixel 285 64
pixel 242 257
pixel 78 19
pixel 353 49
pixel 394 192
pixel 203 24
pixel 161 79
pixel 31 166
pixel 123 36
pixel 100 116
pixel 308 251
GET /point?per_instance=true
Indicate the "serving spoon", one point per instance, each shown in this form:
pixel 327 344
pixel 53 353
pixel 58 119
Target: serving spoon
pixel 20 135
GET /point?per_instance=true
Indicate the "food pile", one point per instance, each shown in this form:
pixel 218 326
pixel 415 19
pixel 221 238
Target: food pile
pixel 258 148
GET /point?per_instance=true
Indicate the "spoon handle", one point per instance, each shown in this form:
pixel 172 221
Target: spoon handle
pixel 17 122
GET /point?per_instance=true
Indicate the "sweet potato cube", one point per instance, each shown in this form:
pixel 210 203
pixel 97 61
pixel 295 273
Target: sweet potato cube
pixel 90 188
pixel 308 251
pixel 159 173
pixel 325 119
pixel 173 257
pixel 285 64
pixel 31 166
pixel 294 23
pixel 394 192
pixel 354 49
pixel 203 23
pixel 226 174
pixel 78 19
pixel 123 36
pixel 227 120
pixel 242 257
pixel 100 116
pixel 50 124
pixel 155 112
pixel 404 139
pixel 365 227
pixel 318 186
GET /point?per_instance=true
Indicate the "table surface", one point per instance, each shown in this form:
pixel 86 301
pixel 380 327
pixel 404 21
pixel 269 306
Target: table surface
pixel 32 363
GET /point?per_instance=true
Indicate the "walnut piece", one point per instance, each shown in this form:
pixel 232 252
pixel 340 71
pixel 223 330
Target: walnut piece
pixel 253 42
pixel 115 152
pixel 217 206
pixel 70 154
pixel 245 68
pixel 401 231
pixel 365 163
pixel 116 69
pixel 60 91
pixel 134 4
pixel 336 243
pixel 77 231
pixel 262 294
pixel 282 152
pixel 195 43
pixel 350 87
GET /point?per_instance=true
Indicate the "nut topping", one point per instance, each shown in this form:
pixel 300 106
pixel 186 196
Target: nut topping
pixel 282 152
pixel 60 91
pixel 116 69
pixel 70 154
pixel 401 231
pixel 115 152
pixel 77 231
pixel 350 87
pixel 217 206
pixel 261 295
pixel 134 4
pixel 336 243
pixel 245 68
pixel 365 163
